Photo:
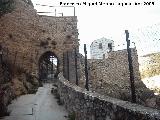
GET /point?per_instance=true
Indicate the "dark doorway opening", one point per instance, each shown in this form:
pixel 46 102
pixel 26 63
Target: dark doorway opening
pixel 48 66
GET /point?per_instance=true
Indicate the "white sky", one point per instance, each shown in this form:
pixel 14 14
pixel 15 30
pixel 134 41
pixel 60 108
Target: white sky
pixel 106 21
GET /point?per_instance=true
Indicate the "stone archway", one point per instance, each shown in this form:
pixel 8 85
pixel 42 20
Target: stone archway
pixel 48 66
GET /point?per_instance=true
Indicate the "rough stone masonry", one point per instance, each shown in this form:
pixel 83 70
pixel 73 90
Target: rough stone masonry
pixel 111 77
pixel 30 35
pixel 25 36
pixel 86 105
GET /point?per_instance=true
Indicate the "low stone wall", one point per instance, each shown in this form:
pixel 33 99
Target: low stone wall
pixel 92 106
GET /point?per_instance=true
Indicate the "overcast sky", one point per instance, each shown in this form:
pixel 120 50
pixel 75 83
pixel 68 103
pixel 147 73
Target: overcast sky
pixel 95 22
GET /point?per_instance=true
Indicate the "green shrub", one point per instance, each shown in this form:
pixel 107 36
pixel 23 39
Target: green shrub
pixel 6 6
pixel 72 116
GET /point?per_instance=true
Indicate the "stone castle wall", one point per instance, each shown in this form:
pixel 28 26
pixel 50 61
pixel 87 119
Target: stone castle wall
pixel 111 76
pixel 27 35
pixel 115 68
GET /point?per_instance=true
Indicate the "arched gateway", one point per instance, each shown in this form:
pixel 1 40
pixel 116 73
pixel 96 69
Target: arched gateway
pixel 48 66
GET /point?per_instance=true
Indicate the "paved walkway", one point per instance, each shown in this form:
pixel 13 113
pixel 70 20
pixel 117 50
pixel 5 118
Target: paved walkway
pixel 39 106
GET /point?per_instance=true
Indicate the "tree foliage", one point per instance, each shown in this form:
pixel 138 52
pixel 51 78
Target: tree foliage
pixel 6 6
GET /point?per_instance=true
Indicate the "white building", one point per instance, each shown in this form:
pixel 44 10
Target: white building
pixel 100 47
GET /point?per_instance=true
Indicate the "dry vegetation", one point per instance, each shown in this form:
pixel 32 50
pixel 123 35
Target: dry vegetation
pixel 152 66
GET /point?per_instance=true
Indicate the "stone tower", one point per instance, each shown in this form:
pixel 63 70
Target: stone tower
pixel 100 47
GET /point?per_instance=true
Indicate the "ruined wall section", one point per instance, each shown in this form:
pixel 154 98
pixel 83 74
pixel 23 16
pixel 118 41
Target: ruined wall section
pixel 111 76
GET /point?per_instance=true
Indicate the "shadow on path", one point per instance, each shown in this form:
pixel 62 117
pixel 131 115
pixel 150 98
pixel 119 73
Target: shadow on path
pixel 39 106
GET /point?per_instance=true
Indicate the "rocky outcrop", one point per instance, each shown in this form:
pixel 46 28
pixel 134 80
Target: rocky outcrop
pixel 150 65
pixel 14 85
pixel 6 96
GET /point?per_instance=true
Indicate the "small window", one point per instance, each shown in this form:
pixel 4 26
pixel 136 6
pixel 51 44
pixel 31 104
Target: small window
pixel 100 45
pixel 110 46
